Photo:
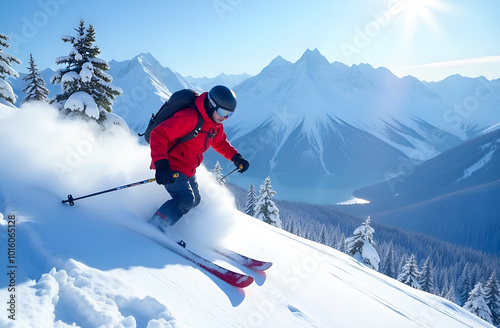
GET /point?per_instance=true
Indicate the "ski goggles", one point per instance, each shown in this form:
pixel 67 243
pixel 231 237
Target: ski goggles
pixel 226 113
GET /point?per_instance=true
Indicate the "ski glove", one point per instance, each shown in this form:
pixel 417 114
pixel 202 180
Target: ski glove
pixel 164 175
pixel 240 163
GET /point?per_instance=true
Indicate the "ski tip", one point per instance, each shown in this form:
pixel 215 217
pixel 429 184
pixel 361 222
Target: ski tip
pixel 244 281
pixel 265 266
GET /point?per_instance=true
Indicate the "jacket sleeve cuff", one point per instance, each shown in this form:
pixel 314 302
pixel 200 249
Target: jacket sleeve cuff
pixel 235 157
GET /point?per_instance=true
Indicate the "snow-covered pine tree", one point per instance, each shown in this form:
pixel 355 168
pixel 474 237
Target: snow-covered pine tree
pixel 298 229
pixel 464 286
pixel 332 242
pixel 409 273
pixel 444 290
pixel 401 264
pixel 7 71
pixel 341 244
pixel 309 235
pixel 322 235
pixel 35 89
pixel 84 85
pixel 477 304
pixel 451 295
pixel 389 265
pixel 217 173
pixel 426 278
pixel 251 201
pixel 475 274
pixel 444 282
pixel 291 226
pixel 266 209
pixel 492 298
pixel 361 245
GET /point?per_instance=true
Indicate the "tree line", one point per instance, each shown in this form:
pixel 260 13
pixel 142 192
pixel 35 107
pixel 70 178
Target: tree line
pixel 464 276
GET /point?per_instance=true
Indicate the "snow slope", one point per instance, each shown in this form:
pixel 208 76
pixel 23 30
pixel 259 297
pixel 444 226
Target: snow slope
pixel 97 265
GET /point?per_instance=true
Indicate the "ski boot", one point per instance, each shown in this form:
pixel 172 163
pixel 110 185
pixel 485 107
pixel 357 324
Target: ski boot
pixel 162 223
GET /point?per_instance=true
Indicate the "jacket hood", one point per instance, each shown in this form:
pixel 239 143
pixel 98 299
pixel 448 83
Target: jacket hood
pixel 200 104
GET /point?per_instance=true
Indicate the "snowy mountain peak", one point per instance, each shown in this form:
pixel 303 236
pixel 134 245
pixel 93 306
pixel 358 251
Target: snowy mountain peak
pixel 140 78
pixel 314 59
pixel 312 54
pixel 275 69
pixel 147 55
pixel 365 66
pixel 146 59
pixel 142 62
pixel 356 78
pixel 331 116
pixel 279 62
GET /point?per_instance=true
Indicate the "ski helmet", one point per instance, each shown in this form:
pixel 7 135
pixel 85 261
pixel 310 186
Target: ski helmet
pixel 222 97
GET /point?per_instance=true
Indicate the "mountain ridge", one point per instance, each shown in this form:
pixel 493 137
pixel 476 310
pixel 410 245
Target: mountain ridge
pixel 310 93
pixel 452 196
pixel 409 121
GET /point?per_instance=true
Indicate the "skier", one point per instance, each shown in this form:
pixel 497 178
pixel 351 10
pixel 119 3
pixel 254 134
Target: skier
pixel 215 106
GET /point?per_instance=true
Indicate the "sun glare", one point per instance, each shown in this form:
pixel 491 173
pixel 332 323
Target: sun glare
pixel 417 8
pixel 418 13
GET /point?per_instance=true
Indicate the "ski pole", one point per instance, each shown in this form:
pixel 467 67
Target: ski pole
pixel 71 200
pixel 238 168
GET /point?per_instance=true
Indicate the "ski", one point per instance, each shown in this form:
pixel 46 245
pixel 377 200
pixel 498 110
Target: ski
pixel 231 277
pixel 244 260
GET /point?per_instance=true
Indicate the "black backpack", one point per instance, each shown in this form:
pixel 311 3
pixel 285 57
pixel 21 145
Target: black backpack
pixel 178 100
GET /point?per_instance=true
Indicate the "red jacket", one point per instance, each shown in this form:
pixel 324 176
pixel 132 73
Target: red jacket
pixel 187 156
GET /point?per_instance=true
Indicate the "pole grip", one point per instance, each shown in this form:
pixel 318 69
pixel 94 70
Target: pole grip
pixel 175 175
pixel 70 200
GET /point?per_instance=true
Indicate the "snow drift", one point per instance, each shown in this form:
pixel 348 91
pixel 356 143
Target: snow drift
pixel 96 264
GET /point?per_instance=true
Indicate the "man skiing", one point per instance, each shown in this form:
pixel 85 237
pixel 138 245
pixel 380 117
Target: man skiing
pixel 175 163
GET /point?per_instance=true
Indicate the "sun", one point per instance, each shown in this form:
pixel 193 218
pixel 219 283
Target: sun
pixel 419 13
pixel 417 8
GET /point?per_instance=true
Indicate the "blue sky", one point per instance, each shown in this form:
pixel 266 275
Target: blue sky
pixel 426 38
